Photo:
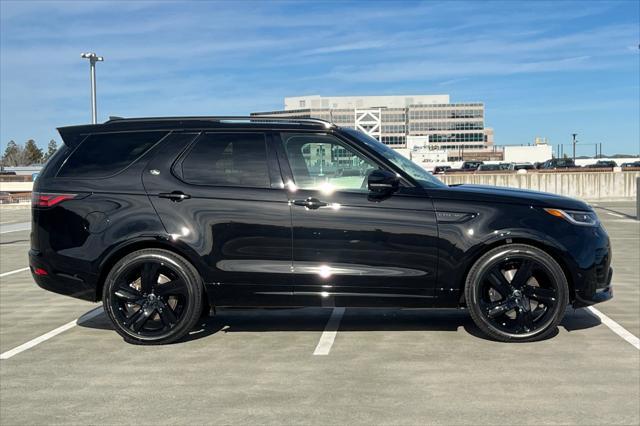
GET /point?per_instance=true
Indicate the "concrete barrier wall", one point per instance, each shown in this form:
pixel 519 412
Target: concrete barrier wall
pixel 587 186
pixel 16 186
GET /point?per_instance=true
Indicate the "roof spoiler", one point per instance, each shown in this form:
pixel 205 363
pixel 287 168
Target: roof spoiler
pixel 73 135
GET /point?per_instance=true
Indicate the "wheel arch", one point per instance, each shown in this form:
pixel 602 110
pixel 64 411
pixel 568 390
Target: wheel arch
pixel 549 247
pixel 122 250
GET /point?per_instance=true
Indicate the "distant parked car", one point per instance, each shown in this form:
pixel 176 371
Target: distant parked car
pixel 7 173
pixel 602 164
pixel 634 164
pixel 489 167
pixel 471 165
pixel 521 166
pixel 5 198
pixel 558 163
pixel 438 170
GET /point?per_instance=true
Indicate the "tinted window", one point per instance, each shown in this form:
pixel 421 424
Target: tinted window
pixel 228 159
pixel 421 175
pixel 321 162
pixel 104 155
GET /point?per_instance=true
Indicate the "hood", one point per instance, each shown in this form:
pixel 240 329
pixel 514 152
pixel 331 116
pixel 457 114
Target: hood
pixel 499 194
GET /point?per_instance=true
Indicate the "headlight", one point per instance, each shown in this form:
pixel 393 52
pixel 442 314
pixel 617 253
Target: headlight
pixel 575 217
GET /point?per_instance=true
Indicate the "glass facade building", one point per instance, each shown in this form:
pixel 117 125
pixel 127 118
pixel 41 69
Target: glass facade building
pixel 395 119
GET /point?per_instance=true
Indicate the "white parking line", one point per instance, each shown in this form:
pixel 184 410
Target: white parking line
pixel 13 272
pixel 33 342
pixel 615 214
pixel 616 328
pixel 15 227
pixel 329 333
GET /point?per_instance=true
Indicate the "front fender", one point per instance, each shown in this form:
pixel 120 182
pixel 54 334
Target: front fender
pixel 462 243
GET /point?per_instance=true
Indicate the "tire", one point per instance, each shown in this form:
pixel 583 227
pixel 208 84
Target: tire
pixel 153 296
pixel 516 293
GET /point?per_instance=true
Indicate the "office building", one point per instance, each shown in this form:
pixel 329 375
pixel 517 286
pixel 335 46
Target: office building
pixel 407 123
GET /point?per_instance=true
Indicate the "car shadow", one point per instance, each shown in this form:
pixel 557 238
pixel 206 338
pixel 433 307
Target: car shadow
pixel 354 320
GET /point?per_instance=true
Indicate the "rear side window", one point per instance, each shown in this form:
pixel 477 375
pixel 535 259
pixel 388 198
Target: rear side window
pixel 104 155
pixel 228 159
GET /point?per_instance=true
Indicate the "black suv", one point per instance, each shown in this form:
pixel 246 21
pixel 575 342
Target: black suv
pixel 602 164
pixel 162 219
pixel 559 163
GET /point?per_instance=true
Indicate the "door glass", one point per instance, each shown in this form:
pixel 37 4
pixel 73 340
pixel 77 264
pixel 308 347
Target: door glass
pixel 322 162
pixel 228 159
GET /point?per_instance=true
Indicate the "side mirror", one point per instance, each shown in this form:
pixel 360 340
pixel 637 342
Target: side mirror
pixel 383 182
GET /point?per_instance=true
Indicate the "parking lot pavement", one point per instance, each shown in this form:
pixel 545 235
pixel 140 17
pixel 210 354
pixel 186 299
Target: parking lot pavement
pixel 625 240
pixel 14 249
pixel 386 366
pixel 14 214
pixel 616 209
pixel 257 366
pixel 27 311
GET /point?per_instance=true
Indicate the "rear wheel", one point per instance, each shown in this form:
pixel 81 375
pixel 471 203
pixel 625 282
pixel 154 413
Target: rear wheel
pixel 516 293
pixel 153 296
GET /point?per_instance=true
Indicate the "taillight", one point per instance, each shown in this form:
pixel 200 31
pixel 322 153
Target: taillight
pixel 49 199
pixel 40 271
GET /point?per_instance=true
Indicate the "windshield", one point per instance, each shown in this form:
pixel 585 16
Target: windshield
pixel 423 177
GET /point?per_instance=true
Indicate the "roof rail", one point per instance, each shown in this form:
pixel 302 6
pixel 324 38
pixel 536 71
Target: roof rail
pixel 325 123
pixel 233 119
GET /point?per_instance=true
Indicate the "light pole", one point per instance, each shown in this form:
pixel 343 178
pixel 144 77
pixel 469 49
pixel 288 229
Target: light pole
pixel 93 58
pixel 574 146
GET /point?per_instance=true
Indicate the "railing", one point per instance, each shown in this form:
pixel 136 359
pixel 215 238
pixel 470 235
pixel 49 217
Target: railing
pixel 15 178
pixel 16 198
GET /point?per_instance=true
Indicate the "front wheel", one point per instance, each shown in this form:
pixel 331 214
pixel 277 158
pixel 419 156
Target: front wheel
pixel 516 292
pixel 153 296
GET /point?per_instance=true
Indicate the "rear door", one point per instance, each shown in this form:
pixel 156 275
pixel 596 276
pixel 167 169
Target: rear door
pixel 222 198
pixel 350 248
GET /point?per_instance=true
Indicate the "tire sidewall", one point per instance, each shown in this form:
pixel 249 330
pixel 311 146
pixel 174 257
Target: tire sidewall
pixel 488 260
pixel 194 295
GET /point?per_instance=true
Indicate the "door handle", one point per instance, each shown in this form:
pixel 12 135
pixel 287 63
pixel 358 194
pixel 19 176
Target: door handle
pixel 175 196
pixel 310 203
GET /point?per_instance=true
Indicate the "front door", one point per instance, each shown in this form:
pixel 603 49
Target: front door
pixel 220 197
pixel 350 248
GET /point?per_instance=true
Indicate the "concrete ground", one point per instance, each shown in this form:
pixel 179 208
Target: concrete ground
pixel 257 366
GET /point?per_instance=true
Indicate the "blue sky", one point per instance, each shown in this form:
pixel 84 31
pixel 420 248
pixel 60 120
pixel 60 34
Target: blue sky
pixel 541 68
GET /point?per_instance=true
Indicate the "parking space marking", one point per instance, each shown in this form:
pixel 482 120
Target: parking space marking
pixel 13 272
pixel 33 342
pixel 615 214
pixel 15 227
pixel 616 328
pixel 329 333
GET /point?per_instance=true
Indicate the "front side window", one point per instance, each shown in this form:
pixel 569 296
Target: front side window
pixel 422 176
pixel 228 159
pixel 322 162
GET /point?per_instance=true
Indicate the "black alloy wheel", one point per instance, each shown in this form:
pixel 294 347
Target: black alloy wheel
pixel 516 293
pixel 153 296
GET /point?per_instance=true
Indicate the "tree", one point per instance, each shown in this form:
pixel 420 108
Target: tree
pixel 12 155
pixel 31 154
pixel 51 149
